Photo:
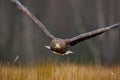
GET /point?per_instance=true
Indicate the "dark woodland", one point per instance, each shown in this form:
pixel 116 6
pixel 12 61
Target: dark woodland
pixel 20 36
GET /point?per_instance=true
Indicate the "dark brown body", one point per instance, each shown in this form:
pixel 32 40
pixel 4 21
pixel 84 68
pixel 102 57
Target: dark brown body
pixel 59 45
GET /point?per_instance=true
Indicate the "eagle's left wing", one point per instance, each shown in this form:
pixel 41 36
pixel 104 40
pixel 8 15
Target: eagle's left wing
pixel 88 35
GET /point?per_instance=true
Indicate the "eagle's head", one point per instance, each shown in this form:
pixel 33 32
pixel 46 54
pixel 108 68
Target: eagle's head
pixel 59 46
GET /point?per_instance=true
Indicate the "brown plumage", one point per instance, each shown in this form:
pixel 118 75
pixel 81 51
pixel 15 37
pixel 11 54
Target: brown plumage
pixel 57 45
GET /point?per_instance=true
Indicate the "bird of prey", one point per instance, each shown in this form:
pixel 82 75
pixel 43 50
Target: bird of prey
pixel 57 45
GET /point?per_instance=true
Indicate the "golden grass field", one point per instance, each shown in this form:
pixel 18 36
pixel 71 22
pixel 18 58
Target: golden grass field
pixel 63 71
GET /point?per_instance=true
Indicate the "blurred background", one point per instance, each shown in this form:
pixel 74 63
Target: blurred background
pixel 21 38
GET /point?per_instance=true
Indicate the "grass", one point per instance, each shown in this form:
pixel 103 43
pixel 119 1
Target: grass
pixel 63 71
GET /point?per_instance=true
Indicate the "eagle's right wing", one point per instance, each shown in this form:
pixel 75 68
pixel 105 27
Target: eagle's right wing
pixel 25 11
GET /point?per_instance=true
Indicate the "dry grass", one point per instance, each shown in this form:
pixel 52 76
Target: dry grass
pixel 64 71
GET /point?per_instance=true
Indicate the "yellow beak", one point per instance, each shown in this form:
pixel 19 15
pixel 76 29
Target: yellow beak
pixel 57 46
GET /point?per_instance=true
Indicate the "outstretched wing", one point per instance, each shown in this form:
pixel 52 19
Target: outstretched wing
pixel 25 11
pixel 88 35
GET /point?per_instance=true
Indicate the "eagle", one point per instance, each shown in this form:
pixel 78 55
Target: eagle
pixel 58 45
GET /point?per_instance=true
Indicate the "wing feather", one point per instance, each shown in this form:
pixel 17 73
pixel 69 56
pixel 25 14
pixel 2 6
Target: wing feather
pixel 88 35
pixel 25 11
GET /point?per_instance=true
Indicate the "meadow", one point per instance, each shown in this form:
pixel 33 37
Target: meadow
pixel 63 71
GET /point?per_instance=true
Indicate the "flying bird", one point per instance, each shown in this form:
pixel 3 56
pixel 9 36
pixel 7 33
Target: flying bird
pixel 57 45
